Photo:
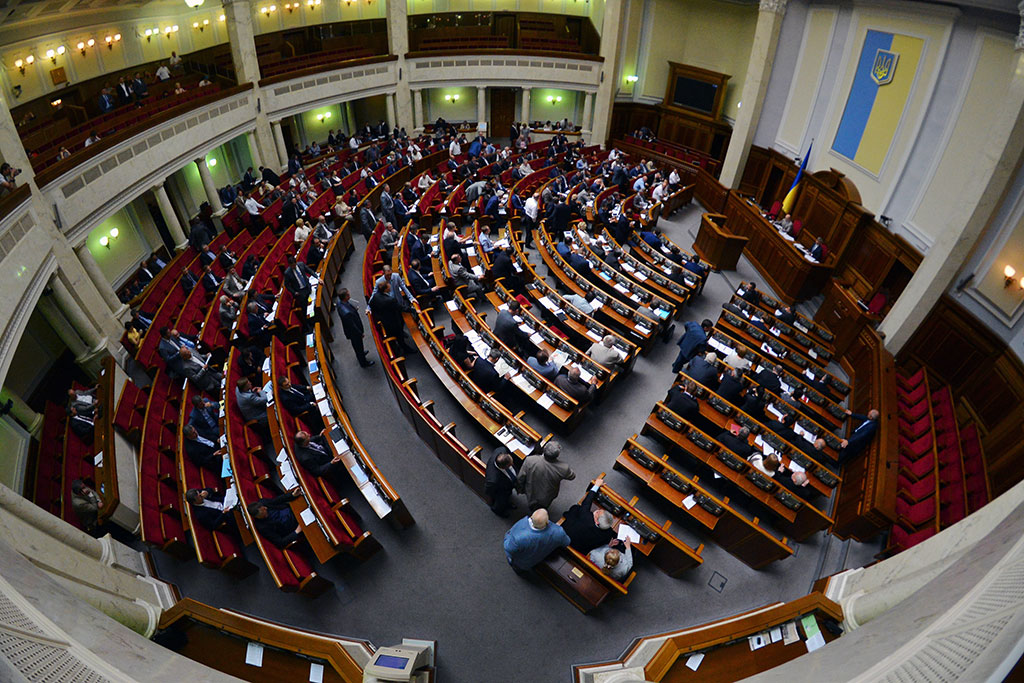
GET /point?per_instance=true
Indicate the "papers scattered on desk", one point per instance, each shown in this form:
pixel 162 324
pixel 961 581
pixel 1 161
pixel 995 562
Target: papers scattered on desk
pixel 254 654
pixel 775 634
pixel 815 638
pixel 626 531
pixel 521 382
pixel 266 366
pixel 307 517
pixel 719 346
pixel 536 338
pixel 319 391
pixel 545 402
pixel 316 672
pixel 643 329
pixel 546 303
pixel 470 251
pixel 478 271
pixel 594 335
pixel 596 304
pixel 767 349
pixel 503 368
pixel 693 661
pixel 790 634
pixel 230 497
pixel 758 640
pixel 619 286
pixel 98 459
pixel 451 305
pixel 282 456
pixel 288 481
pixel 585 375
pixel 324 407
pixel 774 411
pixel 689 502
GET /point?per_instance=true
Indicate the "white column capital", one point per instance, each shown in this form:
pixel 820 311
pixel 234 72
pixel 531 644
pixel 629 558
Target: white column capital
pixel 776 6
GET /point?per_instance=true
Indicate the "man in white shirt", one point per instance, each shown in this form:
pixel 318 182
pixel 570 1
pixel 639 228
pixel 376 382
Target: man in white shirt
pixel 253 206
pixel 531 209
pixel 93 138
pixel 454 149
pixel 353 142
pixel 163 73
pixel 673 179
pixel 659 192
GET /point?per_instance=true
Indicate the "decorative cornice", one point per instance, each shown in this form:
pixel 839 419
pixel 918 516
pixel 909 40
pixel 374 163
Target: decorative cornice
pixel 777 6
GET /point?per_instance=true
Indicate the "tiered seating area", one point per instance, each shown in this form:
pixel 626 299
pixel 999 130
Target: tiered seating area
pixel 670 152
pixel 942 474
pixel 315 60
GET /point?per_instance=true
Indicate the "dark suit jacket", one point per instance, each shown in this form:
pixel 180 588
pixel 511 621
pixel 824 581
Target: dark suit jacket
pixel 692 340
pixel 211 518
pixel 496 483
pixel 702 372
pixel 783 431
pixel 860 438
pixel 560 216
pixel 731 389
pixel 769 381
pixel 735 444
pixel 682 404
pixel 316 461
pixel 419 283
pixel 203 455
pixel 502 267
pixel 296 280
pixel 388 311
pixel 584 535
pixel 279 526
pixel 296 400
pixel 351 321
pixel 485 376
pixel 507 329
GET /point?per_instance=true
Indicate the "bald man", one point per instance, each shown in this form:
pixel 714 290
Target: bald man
pixel 531 539
pixel 860 437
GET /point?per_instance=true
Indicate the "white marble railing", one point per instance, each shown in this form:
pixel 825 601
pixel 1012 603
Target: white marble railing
pixel 300 94
pixel 504 70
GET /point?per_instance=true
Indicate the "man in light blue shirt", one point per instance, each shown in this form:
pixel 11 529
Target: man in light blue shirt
pixel 532 539
pixel 640 184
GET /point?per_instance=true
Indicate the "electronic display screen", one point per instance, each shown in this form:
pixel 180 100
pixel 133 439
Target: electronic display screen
pixel 391 662
pixel 694 94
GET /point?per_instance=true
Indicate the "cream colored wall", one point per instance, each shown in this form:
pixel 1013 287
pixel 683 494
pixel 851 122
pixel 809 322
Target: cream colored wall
pixel 706 33
pixel 934 26
pixel 122 256
pixel 807 77
pixel 571 7
pixel 629 62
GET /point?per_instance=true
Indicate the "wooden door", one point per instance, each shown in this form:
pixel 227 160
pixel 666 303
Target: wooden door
pixel 503 111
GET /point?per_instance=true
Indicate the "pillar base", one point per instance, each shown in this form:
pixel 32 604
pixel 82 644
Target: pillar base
pixel 35 425
pixel 90 360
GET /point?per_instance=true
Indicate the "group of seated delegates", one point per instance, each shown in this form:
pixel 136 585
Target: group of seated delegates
pixel 145 274
pixel 82 411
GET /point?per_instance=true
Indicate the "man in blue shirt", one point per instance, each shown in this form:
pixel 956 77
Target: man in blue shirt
pixel 531 539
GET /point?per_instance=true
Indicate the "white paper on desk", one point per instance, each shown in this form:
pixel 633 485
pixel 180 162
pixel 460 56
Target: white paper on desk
pixel 594 335
pixel 793 466
pixel 470 251
pixel 473 336
pixel 230 498
pixel 98 459
pixel 316 672
pixel 521 382
pixel 800 327
pixel 325 408
pixel 693 661
pixel 628 268
pixel 640 276
pixel 254 654
pixel 717 475
pixel 757 641
pixel 785 387
pixel 585 375
pixel 559 357
pixel 812 353
pixel 719 346
pixel 536 339
pixel 803 432
pixel 282 456
pixel 635 298
pixel 626 531
pixel 776 331
pixel 767 349
pixel 689 502
pixel 307 517
pixel 288 481
pixel 808 373
pixel 503 368
pixel 643 329
pixel 775 634
pixel 812 260
pixel 517 445
pixel 266 366
pixel 545 402
pixel 815 641
pixel 451 305
pixel 789 633
pixel 619 286
pixel 596 304
pixel 319 392
pixel 478 271
pixel 481 348
pixel 525 329
pixel 546 303
pixel 774 411
pixel 341 446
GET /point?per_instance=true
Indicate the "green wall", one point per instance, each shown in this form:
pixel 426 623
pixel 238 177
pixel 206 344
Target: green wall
pixel 542 110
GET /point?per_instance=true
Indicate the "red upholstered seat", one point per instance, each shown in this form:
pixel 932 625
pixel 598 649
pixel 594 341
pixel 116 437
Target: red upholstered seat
pixel 917 448
pixel 902 539
pixel 916 468
pixel 911 397
pixel 774 211
pixel 918 514
pixel 916 490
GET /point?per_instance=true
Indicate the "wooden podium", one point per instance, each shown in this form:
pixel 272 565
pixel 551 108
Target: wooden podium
pixel 842 313
pixel 716 246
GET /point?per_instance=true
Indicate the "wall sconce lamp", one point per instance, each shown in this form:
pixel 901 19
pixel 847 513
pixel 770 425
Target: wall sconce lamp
pixel 452 98
pixel 267 10
pixel 149 36
pixel 291 7
pixel 632 79
pixel 220 18
pixel 53 54
pixel 56 103
pixel 1008 277
pixel 22 63
pixel 323 117
pixel 170 30
pixel 554 99
pixel 352 2
pixel 196 24
pixel 83 46
pixel 313 4
pixel 105 241
pixel 110 40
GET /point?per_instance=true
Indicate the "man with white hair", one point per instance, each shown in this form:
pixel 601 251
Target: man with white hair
pixel 531 539
pixel 604 352
pixel 541 475
pixel 588 528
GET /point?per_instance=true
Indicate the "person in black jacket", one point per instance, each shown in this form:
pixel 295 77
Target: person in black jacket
pixel 784 428
pixel 703 371
pixel 296 281
pixel 208 509
pixel 316 456
pixel 501 267
pixel 560 216
pixel 201 451
pixel 299 401
pixel 588 529
pixel 731 388
pixel 388 312
pixel 682 402
pixel 205 417
pixel 274 520
pixel 500 481
pixel 770 379
pixel 352 324
pixel 419 284
pixel 738 443
pixel 753 403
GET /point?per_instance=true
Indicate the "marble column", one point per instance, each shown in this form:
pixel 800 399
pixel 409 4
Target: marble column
pixel 398 45
pixel 588 105
pixel 390 99
pixel 72 310
pixel 417 110
pixel 106 290
pixel 282 148
pixel 241 38
pixel 11 148
pixel 524 115
pixel 62 327
pixel 610 40
pixel 759 70
pixel 22 412
pixel 975 206
pixel 211 189
pixel 254 149
pixel 481 105
pixel 170 218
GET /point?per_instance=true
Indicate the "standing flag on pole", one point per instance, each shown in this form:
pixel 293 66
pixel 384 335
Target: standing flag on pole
pixel 790 200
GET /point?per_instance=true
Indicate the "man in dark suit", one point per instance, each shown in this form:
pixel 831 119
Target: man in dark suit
pixel 784 428
pixel 506 329
pixel 208 509
pixel 753 403
pixel 296 281
pixel 750 292
pixel 388 311
pixel 205 417
pixel 201 451
pixel 197 369
pixel 501 267
pixel 500 481
pixel 168 347
pixel 695 337
pixel 299 401
pixel 738 443
pixel 786 315
pixel 861 437
pixel 702 370
pixel 419 284
pixel 269 176
pixel 731 388
pixel 770 379
pixel 82 426
pixel 588 529
pixel 316 456
pixel 367 221
pixel 482 373
pixel 352 324
pixel 682 402
pixel 275 521
pixel 209 281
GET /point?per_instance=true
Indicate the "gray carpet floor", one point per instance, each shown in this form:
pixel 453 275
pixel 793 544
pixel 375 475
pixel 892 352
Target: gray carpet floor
pixel 446 578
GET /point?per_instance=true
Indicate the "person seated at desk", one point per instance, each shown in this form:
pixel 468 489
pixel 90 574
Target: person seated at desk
pixel 785 224
pixel 543 365
pixel 588 529
pixel 208 509
pixel 738 359
pixel 738 443
pixel 572 385
pixel 83 401
pixel 786 315
pixel 682 402
pixel 506 328
pixel 798 483
pixel 532 539
pixel 202 451
pixel 299 401
pixel 463 276
pixel 486 245
pixel 205 417
pixel 731 387
pixel 196 368
pixel 767 465
pixel 784 428
pixel 749 293
pixel 861 437
pixel 703 370
pixel 483 373
pixel 615 563
pixel 252 402
pixel 316 456
pixel 819 250
pixel 275 521
pixel 753 403
pixel 500 481
pixel 605 353
pixel 770 379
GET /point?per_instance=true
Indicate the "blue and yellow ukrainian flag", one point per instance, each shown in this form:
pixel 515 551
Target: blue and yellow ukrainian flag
pixel 881 87
pixel 790 200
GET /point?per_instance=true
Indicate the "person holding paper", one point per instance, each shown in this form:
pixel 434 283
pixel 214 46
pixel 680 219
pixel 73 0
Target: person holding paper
pixel 83 401
pixel 316 456
pixel 500 481
pixel 208 509
pixel 616 564
pixel 274 520
pixel 543 365
pixel 201 451
pixel 198 371
pixel 588 529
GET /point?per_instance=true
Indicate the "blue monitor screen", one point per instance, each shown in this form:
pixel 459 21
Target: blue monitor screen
pixel 391 662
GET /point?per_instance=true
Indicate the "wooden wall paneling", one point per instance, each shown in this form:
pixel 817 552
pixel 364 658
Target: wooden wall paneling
pixel 755 173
